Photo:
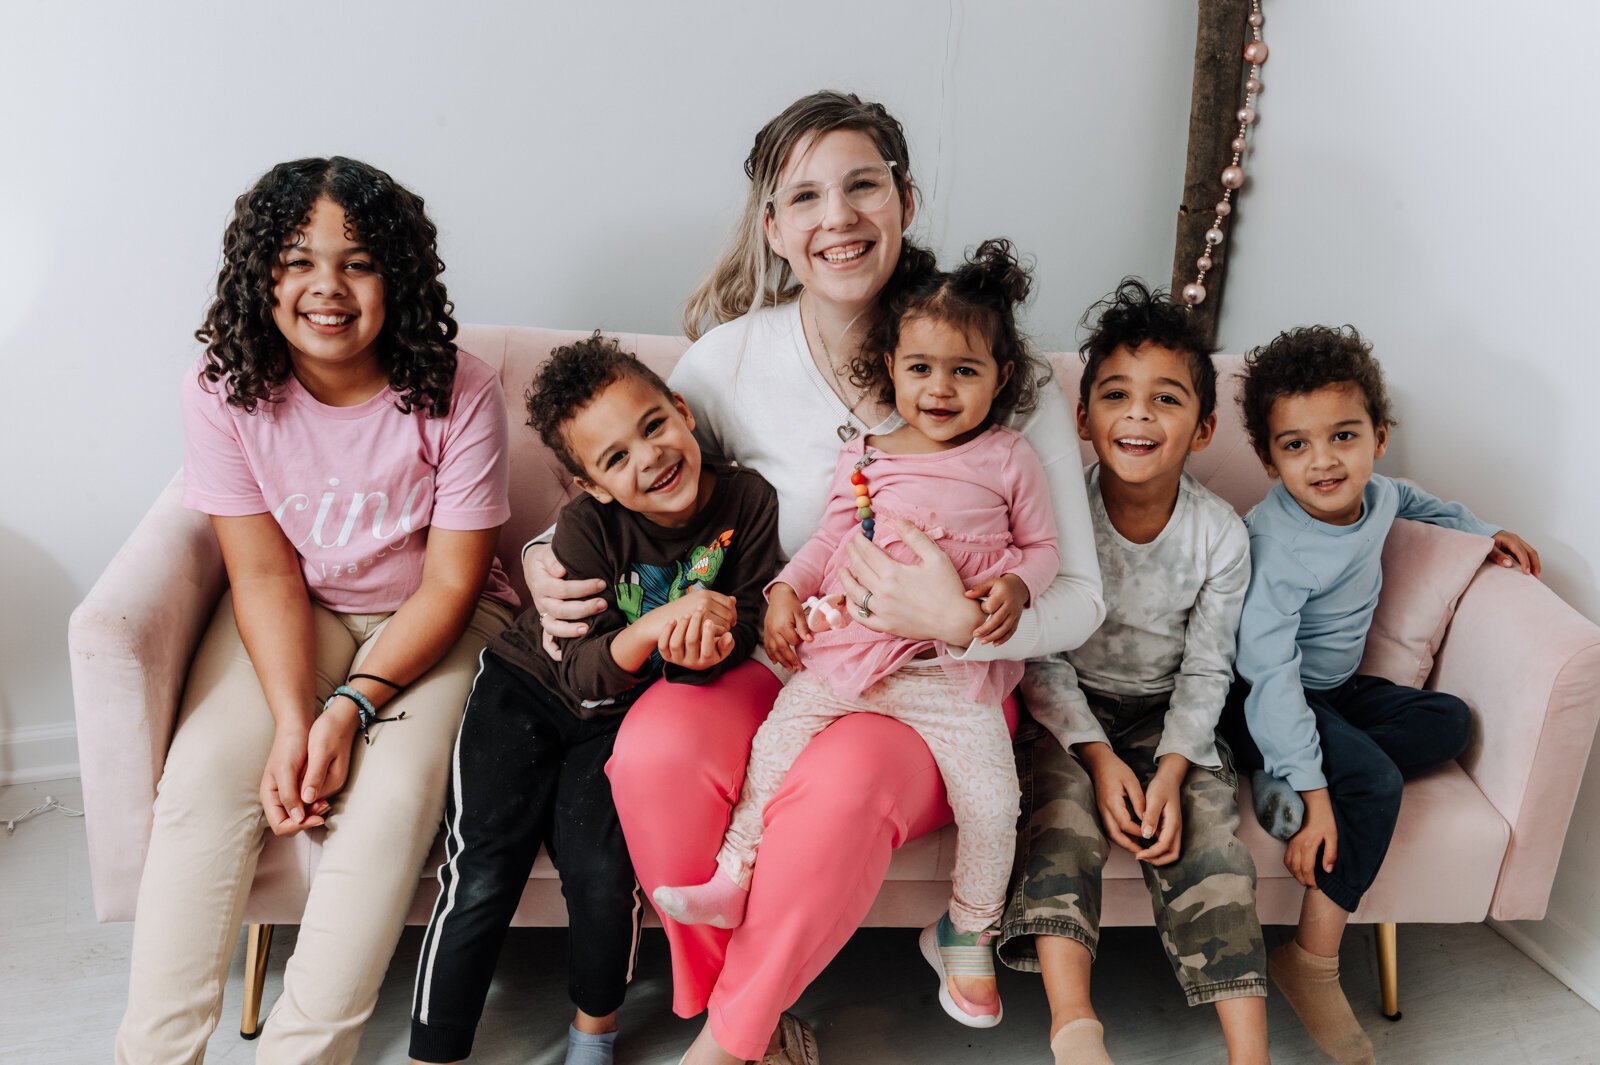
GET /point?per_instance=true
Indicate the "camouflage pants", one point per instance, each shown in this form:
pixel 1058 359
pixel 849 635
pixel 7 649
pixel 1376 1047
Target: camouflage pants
pixel 1204 902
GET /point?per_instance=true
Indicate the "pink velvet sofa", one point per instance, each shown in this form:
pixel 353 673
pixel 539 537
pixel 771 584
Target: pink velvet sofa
pixel 1476 839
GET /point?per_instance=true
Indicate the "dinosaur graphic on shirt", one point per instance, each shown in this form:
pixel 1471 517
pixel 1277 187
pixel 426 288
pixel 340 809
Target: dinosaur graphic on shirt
pixel 644 586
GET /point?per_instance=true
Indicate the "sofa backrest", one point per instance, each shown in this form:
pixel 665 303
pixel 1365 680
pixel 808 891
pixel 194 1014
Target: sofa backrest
pixel 540 485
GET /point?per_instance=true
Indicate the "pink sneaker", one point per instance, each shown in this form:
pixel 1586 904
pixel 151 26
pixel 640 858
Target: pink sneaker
pixel 953 953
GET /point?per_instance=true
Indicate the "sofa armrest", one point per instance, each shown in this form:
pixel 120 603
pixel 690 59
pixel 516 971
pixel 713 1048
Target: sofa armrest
pixel 130 643
pixel 1529 666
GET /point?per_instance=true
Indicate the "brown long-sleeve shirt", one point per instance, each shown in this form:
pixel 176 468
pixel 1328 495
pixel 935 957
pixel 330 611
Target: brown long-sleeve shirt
pixel 731 547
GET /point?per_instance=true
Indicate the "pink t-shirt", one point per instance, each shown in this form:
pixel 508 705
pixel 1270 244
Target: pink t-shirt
pixel 354 488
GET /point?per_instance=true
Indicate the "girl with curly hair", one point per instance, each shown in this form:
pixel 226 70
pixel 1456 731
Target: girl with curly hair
pixel 353 463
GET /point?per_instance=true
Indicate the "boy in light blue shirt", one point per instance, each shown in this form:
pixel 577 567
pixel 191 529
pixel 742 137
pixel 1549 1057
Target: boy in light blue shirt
pixel 1333 747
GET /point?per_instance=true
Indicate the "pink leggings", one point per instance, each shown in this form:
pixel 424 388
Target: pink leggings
pixel 676 775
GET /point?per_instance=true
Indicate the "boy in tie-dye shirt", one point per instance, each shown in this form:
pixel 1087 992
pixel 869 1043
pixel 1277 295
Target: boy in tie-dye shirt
pixel 1127 752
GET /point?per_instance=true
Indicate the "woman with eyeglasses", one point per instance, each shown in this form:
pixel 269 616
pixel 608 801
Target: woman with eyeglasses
pixel 820 243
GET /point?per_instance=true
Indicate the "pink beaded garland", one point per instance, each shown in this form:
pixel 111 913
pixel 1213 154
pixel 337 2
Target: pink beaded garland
pixel 1232 177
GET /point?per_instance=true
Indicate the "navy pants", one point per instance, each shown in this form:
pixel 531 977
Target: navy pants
pixel 1375 735
pixel 527 771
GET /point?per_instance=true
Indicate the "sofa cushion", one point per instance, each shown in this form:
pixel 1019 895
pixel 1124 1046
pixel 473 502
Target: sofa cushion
pixel 1426 568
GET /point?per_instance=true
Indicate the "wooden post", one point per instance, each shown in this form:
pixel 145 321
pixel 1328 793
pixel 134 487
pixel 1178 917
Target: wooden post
pixel 1219 73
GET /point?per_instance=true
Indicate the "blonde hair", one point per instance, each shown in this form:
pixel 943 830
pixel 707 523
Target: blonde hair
pixel 749 275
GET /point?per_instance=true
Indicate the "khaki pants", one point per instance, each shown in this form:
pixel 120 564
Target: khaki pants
pixel 209 831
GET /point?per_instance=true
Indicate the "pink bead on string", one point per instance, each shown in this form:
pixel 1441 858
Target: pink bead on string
pixel 1232 177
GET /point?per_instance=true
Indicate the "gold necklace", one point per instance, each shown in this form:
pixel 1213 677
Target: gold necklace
pixel 845 431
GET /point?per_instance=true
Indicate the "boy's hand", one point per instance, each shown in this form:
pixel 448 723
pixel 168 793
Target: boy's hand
pixel 695 642
pixel 1116 791
pixel 1162 825
pixel 1512 550
pixel 719 608
pixel 1002 599
pixel 1318 833
pixel 785 628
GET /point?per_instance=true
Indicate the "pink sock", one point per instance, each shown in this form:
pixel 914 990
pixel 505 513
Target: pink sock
pixel 719 902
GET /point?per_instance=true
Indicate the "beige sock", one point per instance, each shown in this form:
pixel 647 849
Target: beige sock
pixel 1311 984
pixel 1081 1042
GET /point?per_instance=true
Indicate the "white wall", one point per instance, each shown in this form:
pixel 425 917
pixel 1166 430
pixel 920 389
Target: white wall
pixel 1426 172
pixel 1423 171
pixel 583 162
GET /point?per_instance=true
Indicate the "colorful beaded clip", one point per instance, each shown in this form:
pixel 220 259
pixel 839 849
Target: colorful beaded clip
pixel 863 497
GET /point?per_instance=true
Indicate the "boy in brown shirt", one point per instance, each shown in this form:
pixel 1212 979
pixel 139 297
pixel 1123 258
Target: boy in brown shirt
pixel 685 550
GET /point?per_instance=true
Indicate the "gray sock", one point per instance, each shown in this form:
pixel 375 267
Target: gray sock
pixel 586 1049
pixel 1279 808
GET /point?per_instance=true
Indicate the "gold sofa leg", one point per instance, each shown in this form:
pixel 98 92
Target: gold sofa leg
pixel 257 942
pixel 1389 970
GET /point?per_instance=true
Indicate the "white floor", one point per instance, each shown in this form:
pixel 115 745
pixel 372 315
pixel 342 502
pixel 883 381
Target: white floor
pixel 1467 996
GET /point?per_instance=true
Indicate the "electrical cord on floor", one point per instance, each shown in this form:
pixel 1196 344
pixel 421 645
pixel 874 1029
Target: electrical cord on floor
pixel 49 804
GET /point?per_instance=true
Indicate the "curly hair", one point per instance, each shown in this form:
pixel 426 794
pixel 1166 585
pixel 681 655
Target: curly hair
pixel 1303 360
pixel 569 381
pixel 245 350
pixel 979 297
pixel 1134 315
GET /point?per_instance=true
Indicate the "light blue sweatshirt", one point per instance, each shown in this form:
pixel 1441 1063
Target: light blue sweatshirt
pixel 1313 590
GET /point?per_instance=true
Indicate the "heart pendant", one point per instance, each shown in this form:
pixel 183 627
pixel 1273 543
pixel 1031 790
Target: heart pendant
pixel 847 433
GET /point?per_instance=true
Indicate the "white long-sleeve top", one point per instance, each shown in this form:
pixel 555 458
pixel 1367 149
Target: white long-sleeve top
pixel 1171 620
pixel 759 400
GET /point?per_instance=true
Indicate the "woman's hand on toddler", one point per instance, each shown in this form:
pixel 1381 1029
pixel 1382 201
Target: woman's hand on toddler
pixel 280 785
pixel 1161 827
pixel 1003 600
pixel 923 600
pixel 1318 833
pixel 1117 793
pixel 1512 550
pixel 785 627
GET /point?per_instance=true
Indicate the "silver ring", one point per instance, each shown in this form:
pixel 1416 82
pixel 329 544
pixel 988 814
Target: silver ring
pixel 864 610
pixel 544 616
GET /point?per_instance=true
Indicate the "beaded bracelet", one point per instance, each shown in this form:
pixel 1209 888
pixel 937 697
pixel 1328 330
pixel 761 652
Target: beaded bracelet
pixel 366 713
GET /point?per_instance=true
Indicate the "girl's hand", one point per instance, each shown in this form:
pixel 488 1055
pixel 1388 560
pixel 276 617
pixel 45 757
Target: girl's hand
pixel 1163 813
pixel 785 628
pixel 697 641
pixel 1512 550
pixel 280 784
pixel 925 600
pixel 1002 599
pixel 328 753
pixel 1116 792
pixel 1317 833
pixel 559 602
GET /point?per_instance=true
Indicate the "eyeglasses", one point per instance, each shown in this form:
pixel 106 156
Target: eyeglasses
pixel 804 203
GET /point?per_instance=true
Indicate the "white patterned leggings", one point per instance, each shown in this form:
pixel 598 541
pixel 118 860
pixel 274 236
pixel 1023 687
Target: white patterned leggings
pixel 969 741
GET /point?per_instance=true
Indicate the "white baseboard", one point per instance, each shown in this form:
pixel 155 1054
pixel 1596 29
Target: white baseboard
pixel 1576 963
pixel 38 752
